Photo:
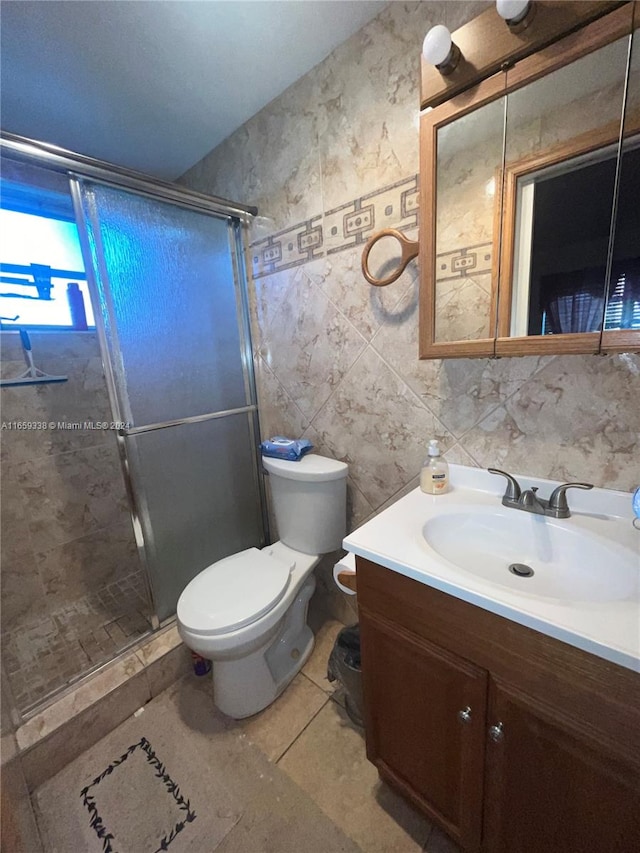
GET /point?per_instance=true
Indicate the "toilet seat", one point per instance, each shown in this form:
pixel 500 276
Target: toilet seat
pixel 233 592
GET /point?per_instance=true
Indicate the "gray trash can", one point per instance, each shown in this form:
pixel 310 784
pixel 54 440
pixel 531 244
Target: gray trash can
pixel 345 667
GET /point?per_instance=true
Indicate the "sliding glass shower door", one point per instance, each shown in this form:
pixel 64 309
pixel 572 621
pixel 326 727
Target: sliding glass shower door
pixel 173 320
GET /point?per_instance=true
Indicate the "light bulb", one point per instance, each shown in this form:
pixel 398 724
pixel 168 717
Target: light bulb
pixel 439 50
pixel 436 47
pixel 513 11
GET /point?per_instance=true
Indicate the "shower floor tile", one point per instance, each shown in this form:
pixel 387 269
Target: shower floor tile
pixel 42 658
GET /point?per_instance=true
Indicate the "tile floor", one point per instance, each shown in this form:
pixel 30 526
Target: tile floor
pixel 316 765
pixel 42 658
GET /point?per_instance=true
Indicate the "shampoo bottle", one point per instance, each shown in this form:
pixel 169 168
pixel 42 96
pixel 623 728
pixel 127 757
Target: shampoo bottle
pixel 434 476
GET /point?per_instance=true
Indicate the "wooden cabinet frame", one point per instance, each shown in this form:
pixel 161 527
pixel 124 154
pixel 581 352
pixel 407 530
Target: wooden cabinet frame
pixel 430 124
pixel 613 26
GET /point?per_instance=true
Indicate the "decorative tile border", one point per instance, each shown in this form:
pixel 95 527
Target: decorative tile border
pixel 464 262
pixel 353 223
pixel 343 227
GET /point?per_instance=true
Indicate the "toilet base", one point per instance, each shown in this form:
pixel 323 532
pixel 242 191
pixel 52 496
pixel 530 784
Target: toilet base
pixel 246 685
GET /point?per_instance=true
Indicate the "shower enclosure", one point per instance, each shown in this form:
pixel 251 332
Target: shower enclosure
pixel 165 271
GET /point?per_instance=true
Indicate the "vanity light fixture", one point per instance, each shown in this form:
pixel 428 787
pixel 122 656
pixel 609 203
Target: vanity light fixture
pixel 439 50
pixel 516 13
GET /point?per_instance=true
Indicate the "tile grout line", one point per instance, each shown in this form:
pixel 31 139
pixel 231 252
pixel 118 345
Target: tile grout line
pixel 502 404
pixel 286 393
pixel 307 724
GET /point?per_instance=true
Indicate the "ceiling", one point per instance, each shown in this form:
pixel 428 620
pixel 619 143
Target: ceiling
pixel 154 85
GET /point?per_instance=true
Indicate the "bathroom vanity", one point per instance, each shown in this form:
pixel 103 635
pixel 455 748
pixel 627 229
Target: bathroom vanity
pixel 509 714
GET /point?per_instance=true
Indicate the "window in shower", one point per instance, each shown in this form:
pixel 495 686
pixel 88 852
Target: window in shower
pixel 43 284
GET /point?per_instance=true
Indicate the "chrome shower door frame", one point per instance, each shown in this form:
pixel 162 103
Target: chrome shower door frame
pixel 140 515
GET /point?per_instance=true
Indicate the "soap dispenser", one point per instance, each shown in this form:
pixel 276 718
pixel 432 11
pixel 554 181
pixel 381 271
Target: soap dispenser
pixel 434 476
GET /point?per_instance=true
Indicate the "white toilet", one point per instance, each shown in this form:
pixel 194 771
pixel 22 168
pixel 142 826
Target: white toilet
pixel 248 612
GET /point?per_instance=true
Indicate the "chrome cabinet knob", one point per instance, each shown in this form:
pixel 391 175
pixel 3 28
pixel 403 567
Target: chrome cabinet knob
pixel 465 715
pixel 496 733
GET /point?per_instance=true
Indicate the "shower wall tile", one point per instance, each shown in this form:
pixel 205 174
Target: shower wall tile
pixel 81 492
pixel 68 409
pixel 15 541
pixel 65 528
pixel 48 345
pixel 23 598
pixel 85 564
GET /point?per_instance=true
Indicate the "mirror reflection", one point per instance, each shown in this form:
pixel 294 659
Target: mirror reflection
pixel 560 174
pixel 469 165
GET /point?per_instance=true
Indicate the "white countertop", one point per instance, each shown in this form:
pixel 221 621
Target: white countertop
pixel 609 629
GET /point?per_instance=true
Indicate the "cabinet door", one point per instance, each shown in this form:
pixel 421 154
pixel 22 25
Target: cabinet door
pixel 551 788
pixel 425 724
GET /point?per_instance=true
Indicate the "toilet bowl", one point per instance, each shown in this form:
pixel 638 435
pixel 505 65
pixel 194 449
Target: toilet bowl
pixel 247 613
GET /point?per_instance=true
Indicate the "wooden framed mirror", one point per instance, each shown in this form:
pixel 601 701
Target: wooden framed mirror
pixel 531 241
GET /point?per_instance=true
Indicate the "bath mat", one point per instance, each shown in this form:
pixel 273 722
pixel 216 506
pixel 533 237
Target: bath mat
pixel 156 811
pixel 118 796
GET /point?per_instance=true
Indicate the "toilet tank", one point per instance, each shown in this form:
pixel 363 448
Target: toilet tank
pixel 309 502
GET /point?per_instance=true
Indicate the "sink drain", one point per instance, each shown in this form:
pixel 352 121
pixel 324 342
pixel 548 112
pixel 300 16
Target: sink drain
pixel 521 570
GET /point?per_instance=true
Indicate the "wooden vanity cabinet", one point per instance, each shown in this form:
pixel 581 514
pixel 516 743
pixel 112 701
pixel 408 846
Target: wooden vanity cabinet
pixel 416 737
pixel 548 787
pixel 509 740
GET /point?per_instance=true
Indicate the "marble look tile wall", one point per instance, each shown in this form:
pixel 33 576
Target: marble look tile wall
pixel 336 359
pixel 65 525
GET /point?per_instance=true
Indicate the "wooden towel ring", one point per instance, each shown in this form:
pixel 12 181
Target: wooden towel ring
pixel 410 250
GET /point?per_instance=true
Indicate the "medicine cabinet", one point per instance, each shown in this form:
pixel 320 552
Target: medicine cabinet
pixel 530 222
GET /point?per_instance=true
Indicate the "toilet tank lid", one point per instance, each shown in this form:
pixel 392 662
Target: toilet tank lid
pixel 311 468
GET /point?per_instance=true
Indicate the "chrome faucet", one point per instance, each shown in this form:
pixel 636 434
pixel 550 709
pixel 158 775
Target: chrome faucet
pixel 555 507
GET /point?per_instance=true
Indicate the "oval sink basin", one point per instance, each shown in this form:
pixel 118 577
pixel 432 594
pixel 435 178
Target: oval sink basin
pixel 568 565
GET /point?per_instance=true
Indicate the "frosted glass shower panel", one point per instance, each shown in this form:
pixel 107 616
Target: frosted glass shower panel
pixel 170 305
pixel 200 502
